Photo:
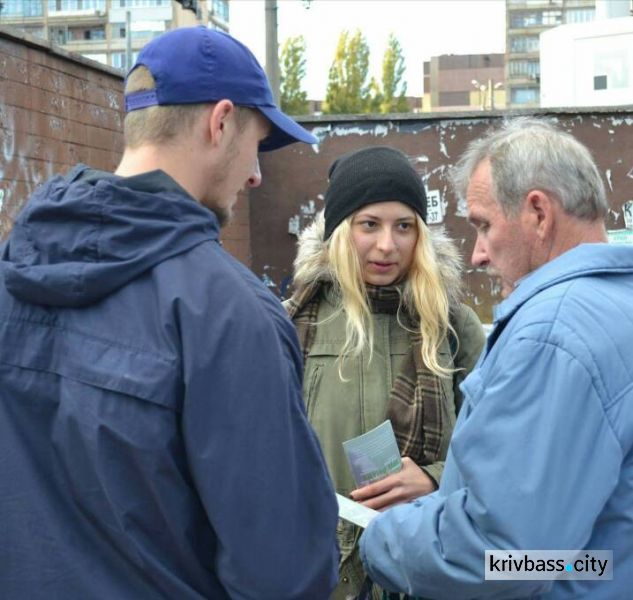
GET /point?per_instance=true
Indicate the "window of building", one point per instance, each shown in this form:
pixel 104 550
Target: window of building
pixel 552 17
pixel 117 30
pixel 524 95
pixel 117 60
pixel 142 3
pixel 536 2
pixel 94 4
pixel 58 35
pixel 600 82
pixel 74 5
pixel 527 68
pixel 521 19
pixel 60 5
pixel 579 15
pixel 96 34
pixel 220 9
pixel 154 29
pixel 524 19
pixel 527 43
pixel 21 8
pixel 79 34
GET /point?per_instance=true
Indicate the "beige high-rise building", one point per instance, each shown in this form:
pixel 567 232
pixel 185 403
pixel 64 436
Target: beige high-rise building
pixel 525 21
pixel 98 29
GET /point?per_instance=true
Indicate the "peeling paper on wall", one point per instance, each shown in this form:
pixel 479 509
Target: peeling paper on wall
pixel 320 133
pixel 342 131
pixel 627 211
pixel 443 149
pixel 618 121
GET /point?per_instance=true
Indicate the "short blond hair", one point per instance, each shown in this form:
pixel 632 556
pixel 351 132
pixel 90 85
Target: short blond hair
pixel 156 124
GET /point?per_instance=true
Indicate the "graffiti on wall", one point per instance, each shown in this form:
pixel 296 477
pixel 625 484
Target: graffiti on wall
pixel 19 173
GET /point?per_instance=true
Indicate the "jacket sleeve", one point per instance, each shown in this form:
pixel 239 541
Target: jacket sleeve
pixel 532 462
pixel 471 339
pixel 434 471
pixel 255 461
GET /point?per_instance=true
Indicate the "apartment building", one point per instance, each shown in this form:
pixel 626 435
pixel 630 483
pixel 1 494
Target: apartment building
pixel 111 32
pixel 525 21
pixel 458 82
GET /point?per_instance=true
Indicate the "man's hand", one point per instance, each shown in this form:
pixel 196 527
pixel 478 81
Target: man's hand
pixel 409 483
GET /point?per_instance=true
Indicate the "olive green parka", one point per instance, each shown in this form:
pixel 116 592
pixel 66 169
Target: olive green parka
pixel 343 409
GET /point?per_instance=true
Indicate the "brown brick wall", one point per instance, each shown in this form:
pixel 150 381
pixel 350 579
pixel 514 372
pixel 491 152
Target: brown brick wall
pixel 295 179
pixel 56 109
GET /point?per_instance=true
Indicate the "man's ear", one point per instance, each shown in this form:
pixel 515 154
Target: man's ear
pixel 219 118
pixel 540 210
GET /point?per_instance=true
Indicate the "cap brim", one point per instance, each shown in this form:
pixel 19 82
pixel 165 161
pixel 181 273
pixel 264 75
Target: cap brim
pixel 285 131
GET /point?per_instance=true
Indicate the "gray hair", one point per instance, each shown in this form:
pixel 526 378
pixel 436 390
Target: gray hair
pixel 527 153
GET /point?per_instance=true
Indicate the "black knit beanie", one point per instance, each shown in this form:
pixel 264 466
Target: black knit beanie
pixel 376 174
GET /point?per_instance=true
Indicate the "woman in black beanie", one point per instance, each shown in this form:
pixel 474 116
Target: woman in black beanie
pixel 383 332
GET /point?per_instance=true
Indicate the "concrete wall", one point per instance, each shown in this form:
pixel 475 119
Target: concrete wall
pixel 295 180
pixel 56 109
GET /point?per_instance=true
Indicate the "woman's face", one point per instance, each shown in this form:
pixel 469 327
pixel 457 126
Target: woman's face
pixel 385 234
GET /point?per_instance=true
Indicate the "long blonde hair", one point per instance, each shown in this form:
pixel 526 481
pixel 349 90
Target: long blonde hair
pixel 424 296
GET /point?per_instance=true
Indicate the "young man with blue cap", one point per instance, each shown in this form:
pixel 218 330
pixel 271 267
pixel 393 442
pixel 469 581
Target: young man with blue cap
pixel 152 432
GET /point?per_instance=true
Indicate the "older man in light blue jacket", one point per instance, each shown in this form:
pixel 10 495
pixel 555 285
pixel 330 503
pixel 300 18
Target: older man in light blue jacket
pixel 542 454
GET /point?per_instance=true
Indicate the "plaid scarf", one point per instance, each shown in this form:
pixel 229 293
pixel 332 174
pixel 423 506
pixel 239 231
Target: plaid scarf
pixel 415 401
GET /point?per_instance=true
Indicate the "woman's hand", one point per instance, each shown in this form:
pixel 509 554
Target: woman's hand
pixel 408 483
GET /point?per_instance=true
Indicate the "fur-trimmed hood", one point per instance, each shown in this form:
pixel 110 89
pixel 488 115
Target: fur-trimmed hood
pixel 312 265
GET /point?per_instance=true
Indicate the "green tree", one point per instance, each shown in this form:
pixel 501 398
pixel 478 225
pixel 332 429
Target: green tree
pixel 375 99
pixel 293 99
pixel 348 91
pixel 394 89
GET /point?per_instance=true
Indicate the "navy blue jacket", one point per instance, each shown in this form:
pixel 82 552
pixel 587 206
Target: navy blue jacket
pixel 153 439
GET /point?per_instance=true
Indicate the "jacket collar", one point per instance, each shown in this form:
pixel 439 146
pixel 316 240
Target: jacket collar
pixel 582 261
pixel 312 261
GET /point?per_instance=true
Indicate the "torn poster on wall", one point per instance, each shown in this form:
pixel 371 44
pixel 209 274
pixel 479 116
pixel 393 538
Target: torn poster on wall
pixel 434 207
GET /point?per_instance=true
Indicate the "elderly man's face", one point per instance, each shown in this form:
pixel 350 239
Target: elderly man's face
pixel 504 245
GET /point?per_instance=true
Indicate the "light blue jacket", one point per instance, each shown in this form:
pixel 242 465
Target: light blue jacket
pixel 542 452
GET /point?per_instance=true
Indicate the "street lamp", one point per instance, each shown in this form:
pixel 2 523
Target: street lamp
pixel 487 90
pixel 482 93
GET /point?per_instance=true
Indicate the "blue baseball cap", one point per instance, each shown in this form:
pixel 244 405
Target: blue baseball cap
pixel 196 65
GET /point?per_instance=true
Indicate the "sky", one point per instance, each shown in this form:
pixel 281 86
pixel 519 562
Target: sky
pixel 424 28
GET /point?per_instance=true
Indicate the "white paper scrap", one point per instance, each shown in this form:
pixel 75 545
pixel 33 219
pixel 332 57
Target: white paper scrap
pixel 354 512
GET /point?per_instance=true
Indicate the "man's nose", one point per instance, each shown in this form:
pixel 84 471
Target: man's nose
pixel 479 257
pixel 255 179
